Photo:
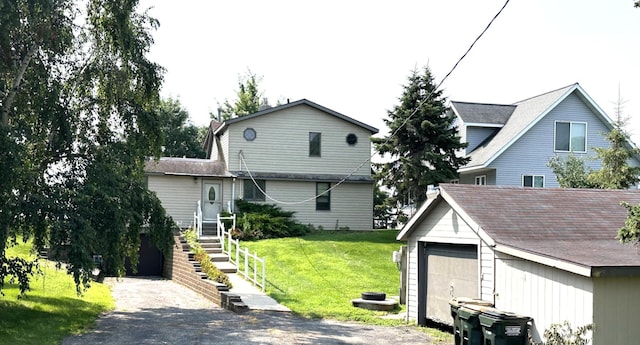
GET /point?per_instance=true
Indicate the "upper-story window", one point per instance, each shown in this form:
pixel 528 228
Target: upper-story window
pixel 481 180
pixel 314 144
pixel 571 136
pixel 533 181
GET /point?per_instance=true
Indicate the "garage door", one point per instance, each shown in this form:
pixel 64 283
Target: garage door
pixel 452 271
pixel 150 260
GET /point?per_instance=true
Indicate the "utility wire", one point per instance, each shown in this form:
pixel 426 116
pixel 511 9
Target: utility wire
pixel 404 123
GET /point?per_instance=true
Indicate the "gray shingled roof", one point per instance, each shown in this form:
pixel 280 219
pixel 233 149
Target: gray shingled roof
pixel 307 102
pixel 524 116
pixel 495 114
pixel 186 166
pixel 578 226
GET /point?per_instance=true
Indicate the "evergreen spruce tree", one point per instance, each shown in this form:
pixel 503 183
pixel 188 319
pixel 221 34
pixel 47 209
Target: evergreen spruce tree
pixel 423 145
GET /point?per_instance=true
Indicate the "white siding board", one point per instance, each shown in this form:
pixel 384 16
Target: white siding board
pixel 547 294
pixel 285 136
pixel 178 194
pixel 486 272
pixel 351 203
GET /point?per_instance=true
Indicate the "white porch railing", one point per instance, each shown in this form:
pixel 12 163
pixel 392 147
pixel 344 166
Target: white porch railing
pixel 197 219
pixel 250 266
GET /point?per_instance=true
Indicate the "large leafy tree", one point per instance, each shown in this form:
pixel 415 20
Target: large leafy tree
pixel 77 103
pixel 248 98
pixel 180 137
pixel 423 143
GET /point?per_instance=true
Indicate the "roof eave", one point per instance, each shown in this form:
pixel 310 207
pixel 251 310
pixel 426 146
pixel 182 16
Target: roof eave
pixel 545 260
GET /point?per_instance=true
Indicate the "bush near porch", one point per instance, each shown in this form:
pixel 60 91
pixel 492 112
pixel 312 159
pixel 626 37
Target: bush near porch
pixel 260 221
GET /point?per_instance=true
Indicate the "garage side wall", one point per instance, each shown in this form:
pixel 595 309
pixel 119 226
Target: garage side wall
pixel 442 225
pixel 546 294
pixel 616 306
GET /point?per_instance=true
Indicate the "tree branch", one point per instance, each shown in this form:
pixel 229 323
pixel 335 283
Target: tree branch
pixel 7 103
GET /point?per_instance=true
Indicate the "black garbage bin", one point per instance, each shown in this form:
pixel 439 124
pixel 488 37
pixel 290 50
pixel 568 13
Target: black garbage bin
pixel 503 328
pixel 455 304
pixel 470 328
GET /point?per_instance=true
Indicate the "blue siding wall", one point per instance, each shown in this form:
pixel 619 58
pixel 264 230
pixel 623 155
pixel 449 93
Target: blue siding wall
pixel 470 178
pixel 530 154
pixel 476 135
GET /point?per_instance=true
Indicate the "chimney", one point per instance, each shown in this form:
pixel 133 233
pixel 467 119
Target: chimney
pixel 219 114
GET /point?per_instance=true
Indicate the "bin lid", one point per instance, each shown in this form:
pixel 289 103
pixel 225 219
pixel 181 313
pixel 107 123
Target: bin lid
pixel 501 314
pixel 467 311
pixel 458 301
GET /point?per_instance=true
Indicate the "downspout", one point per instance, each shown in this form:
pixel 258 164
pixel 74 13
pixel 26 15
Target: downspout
pixel 233 196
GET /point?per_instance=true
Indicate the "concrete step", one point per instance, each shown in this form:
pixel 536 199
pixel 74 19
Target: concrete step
pixel 218 257
pixel 226 267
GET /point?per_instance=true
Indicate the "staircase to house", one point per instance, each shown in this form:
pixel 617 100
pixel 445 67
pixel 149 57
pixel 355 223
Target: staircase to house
pixel 213 247
pixel 209 229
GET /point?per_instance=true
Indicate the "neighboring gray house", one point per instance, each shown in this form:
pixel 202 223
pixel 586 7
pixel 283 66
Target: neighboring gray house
pixel 547 253
pixel 293 152
pixel 512 144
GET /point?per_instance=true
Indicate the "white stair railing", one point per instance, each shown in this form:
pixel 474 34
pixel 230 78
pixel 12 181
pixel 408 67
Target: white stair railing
pixel 197 219
pixel 250 266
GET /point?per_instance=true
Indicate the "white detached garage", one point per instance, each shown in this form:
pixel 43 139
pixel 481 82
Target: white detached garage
pixel 550 254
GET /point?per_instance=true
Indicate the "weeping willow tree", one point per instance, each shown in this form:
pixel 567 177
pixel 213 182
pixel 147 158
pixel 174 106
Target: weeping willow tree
pixel 77 100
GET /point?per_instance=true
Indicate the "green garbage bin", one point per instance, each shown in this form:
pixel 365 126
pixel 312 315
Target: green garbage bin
pixel 470 328
pixel 455 304
pixel 503 328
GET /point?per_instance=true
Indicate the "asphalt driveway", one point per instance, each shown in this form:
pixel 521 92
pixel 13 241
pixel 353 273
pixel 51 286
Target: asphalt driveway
pixel 158 311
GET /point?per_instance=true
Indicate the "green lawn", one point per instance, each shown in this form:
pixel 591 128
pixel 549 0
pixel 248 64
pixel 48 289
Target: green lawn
pixel 319 274
pixel 52 309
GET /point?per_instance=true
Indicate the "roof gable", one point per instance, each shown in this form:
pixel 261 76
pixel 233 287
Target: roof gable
pixel 575 226
pixel 303 101
pixel 528 113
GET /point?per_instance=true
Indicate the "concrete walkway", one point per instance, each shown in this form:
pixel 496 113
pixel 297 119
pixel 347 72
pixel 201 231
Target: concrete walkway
pixel 253 296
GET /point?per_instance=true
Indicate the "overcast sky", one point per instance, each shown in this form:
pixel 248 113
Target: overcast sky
pixel 354 56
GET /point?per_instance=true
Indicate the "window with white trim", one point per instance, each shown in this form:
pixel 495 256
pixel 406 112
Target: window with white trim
pixel 481 180
pixel 570 136
pixel 533 181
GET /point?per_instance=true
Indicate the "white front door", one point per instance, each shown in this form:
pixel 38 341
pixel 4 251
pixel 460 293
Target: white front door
pixel 211 200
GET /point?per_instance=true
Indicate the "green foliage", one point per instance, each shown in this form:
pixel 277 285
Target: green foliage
pixel 249 98
pixel 207 266
pixel 630 232
pixel 258 221
pixel 52 309
pixel 78 120
pixel 383 209
pixel 423 143
pixel 570 171
pixel 563 334
pixel 181 138
pixel 616 173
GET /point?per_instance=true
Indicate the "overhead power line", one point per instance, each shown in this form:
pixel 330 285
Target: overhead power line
pixel 424 100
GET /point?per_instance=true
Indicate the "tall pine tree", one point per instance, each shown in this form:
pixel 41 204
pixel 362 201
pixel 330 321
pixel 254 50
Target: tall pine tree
pixel 423 144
